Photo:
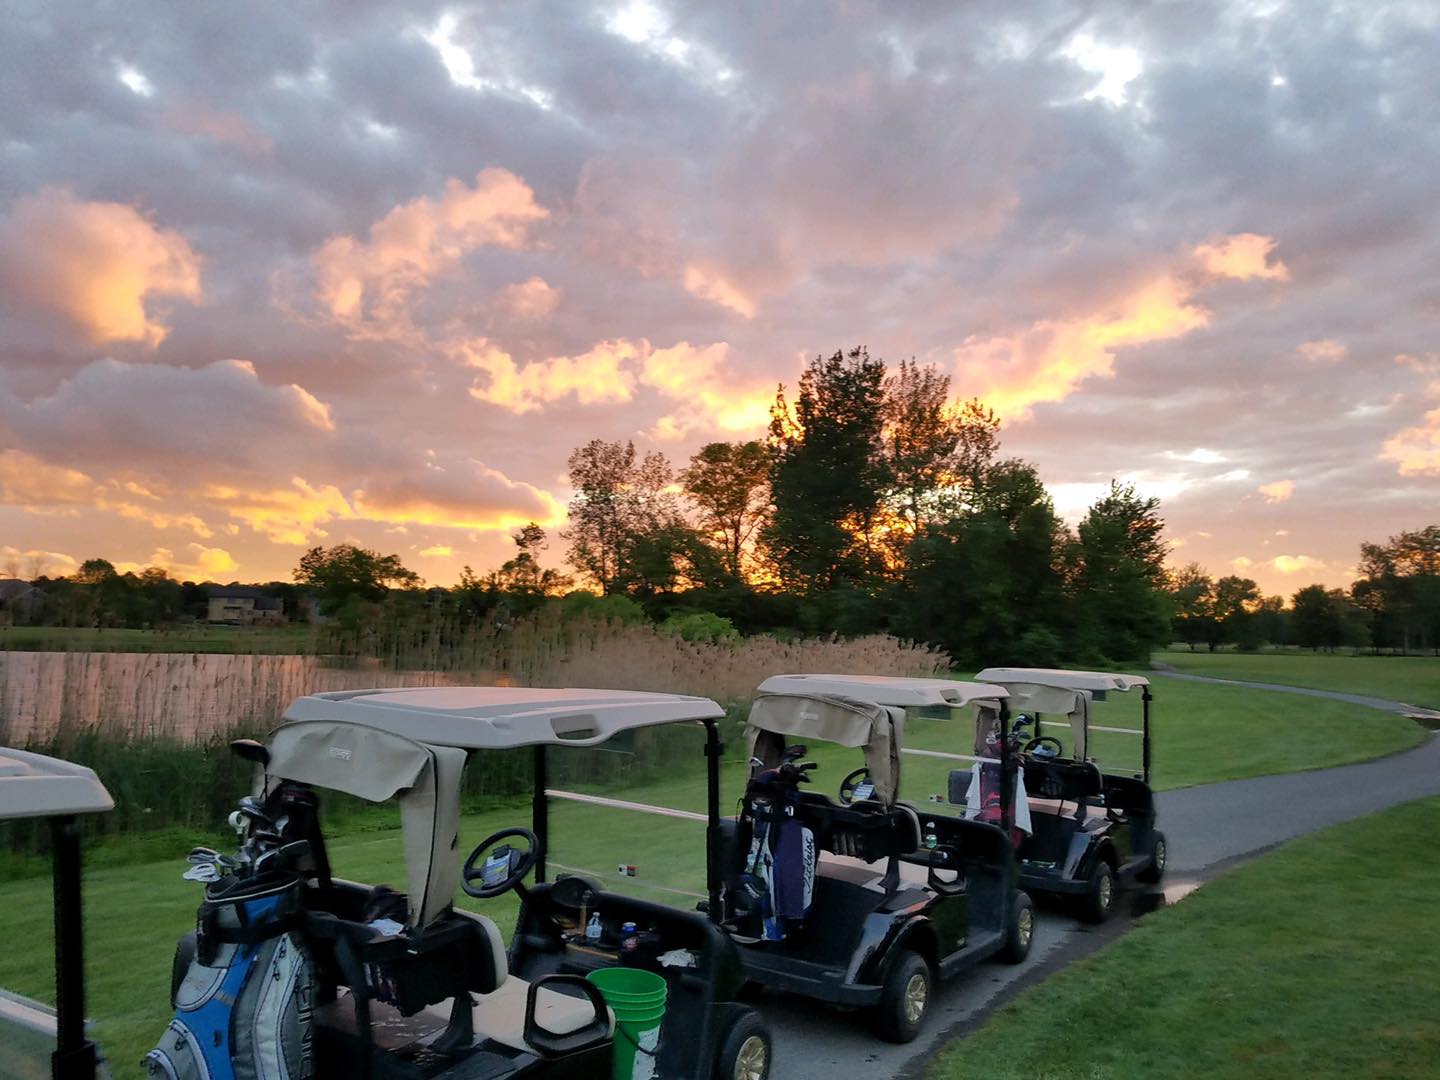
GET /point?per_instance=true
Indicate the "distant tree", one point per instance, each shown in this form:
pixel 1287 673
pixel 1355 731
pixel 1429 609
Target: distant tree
pixel 827 479
pixel 94 572
pixel 728 484
pixel 624 519
pixel 1235 599
pixel 523 576
pixel 345 573
pixel 1270 621
pixel 1399 585
pixel 1117 574
pixel 1192 605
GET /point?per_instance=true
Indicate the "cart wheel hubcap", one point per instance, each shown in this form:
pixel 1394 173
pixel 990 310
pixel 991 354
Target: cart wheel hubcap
pixel 916 993
pixel 1027 927
pixel 1106 889
pixel 750 1062
pixel 1160 855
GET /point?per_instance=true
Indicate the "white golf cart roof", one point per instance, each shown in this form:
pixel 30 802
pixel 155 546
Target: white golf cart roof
pixel 502 717
pixel 893 690
pixel 411 745
pixel 32 785
pixel 1090 681
pixel 866 711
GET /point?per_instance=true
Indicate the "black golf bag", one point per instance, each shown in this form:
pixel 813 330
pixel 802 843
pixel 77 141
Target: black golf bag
pixel 242 1005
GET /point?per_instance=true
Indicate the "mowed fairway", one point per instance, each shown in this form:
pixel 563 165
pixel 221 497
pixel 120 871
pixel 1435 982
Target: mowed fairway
pixel 136 912
pixel 1414 680
pixel 1315 961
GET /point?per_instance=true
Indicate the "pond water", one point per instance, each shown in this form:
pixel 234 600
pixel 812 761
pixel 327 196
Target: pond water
pixel 182 695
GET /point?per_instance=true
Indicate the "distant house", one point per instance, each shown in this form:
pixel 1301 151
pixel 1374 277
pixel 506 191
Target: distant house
pixel 19 600
pixel 239 605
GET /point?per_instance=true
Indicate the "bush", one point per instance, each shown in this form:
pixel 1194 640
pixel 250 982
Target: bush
pixel 700 626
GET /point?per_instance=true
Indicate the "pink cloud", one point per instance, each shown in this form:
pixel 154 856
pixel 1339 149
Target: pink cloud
pixel 96 264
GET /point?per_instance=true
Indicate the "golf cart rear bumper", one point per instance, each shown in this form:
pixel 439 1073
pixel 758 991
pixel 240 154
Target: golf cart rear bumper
pixel 776 971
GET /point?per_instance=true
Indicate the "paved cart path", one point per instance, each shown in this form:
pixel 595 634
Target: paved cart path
pixel 1209 827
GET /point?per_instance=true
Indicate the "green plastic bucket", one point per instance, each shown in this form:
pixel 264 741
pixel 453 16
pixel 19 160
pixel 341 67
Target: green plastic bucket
pixel 638 1000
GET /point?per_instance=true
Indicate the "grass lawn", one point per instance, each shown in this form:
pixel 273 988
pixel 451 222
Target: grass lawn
pixel 1411 679
pixel 1315 961
pixel 199 639
pixel 137 905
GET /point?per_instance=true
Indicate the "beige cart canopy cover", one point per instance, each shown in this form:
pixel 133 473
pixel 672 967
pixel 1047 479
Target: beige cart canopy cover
pixel 866 711
pixel 411 745
pixel 33 785
pixel 1052 691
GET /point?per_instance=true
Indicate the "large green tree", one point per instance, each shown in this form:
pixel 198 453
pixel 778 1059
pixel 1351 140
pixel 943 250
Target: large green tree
pixel 933 452
pixel 986 586
pixel 827 478
pixel 626 533
pixel 728 485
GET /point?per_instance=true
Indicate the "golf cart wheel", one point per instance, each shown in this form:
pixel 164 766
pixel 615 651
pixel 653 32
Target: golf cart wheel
pixel 1022 929
pixel 904 998
pixel 745 1053
pixel 1156 870
pixel 1099 900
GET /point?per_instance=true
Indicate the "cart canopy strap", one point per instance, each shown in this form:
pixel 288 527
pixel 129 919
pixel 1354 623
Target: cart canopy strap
pixel 376 766
pixel 778 719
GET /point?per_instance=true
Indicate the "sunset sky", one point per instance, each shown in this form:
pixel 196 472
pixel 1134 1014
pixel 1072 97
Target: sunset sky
pixel 272 278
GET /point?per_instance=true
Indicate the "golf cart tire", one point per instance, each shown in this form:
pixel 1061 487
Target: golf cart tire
pixel 1019 936
pixel 1152 874
pixel 746 1052
pixel 894 1018
pixel 1094 905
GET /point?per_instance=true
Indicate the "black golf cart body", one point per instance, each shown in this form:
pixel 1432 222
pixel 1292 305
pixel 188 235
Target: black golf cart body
pixel 533 1014
pixel 879 892
pixel 36 1041
pixel 1085 815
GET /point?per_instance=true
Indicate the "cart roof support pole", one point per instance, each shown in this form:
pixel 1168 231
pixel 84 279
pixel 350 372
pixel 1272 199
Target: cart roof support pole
pixel 74 1057
pixel 713 749
pixel 540 813
pixel 1007 782
pixel 1145 727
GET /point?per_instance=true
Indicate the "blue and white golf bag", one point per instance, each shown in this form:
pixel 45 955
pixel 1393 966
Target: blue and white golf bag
pixel 242 1007
pixel 780 867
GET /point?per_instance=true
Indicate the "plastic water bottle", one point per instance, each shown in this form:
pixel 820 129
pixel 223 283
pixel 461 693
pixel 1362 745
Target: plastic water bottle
pixel 593 929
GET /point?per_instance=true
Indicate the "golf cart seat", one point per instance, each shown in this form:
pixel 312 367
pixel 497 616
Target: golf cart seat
pixel 867 829
pixel 416 990
pixel 1070 781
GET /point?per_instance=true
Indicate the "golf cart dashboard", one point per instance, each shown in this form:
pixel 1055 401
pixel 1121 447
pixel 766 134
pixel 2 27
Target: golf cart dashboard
pixel 575 926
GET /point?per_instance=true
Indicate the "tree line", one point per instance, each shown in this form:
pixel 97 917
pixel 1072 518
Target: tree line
pixel 1394 605
pixel 876 503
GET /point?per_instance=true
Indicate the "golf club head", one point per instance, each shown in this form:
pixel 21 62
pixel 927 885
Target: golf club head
pixel 204 873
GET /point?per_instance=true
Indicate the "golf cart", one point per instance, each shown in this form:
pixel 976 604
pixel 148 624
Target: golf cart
pixel 36 1041
pixel 847 900
pixel 1093 830
pixel 410 986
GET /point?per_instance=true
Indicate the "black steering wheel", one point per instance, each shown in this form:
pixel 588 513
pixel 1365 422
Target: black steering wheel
pixel 504 870
pixel 852 781
pixel 1044 740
